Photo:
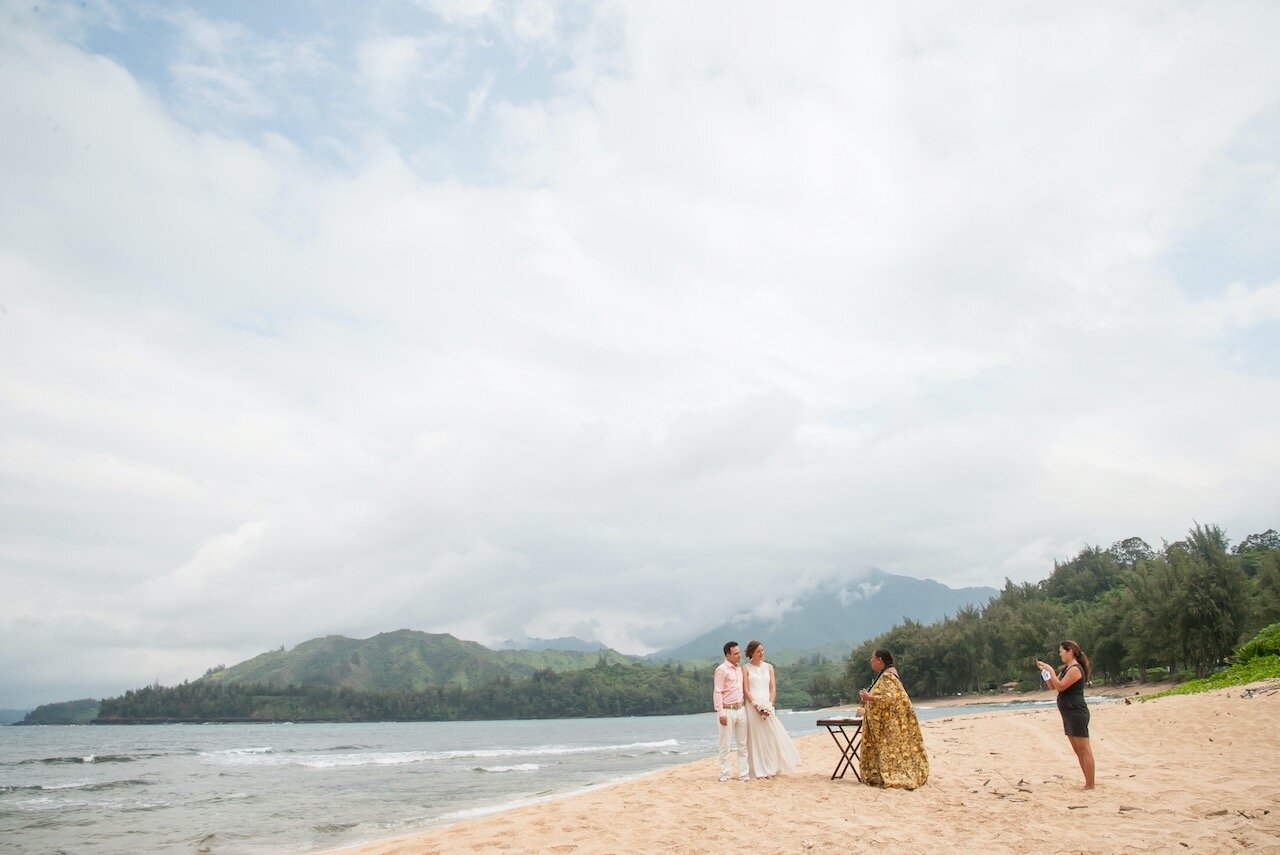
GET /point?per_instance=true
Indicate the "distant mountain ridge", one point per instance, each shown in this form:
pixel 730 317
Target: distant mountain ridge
pixel 838 614
pixel 404 660
pixel 566 642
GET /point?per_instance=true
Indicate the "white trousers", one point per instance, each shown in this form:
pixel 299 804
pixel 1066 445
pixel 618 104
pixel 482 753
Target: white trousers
pixel 735 731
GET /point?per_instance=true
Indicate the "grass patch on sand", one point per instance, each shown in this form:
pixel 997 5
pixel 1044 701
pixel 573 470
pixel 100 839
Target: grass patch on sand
pixel 1257 659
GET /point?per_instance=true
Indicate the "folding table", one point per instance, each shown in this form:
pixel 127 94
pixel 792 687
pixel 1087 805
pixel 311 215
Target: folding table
pixel 847 732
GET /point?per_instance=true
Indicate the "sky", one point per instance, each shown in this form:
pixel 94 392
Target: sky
pixel 609 319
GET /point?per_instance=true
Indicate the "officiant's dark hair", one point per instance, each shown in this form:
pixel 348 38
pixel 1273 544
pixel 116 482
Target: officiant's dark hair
pixel 729 645
pixel 884 656
pixel 751 647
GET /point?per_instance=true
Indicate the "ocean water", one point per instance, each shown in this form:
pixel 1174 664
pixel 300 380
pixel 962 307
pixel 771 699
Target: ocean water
pixel 253 788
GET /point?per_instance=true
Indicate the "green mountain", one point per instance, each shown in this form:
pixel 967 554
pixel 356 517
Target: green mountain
pixel 404 660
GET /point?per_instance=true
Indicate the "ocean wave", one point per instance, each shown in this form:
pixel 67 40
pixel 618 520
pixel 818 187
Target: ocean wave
pixel 557 750
pixel 232 797
pixel 84 758
pixel 334 827
pixel 39 804
pixel 142 807
pixel 10 789
pixel 61 804
pixel 314 760
pixel 488 810
pixel 654 751
pixel 103 786
pixel 238 752
pixel 519 767
pixel 73 787
pixel 540 797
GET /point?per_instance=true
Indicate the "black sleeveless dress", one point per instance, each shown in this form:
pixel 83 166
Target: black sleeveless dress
pixel 1075 712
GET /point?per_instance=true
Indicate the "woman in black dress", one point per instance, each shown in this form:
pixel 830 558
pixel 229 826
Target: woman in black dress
pixel 1075 713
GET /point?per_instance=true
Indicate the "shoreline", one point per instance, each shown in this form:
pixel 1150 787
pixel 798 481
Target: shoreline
pixel 1012 697
pixel 1187 769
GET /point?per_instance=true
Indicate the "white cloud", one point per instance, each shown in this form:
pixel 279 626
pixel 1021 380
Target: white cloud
pixel 214 573
pixel 223 73
pixel 1241 307
pixel 400 71
pixel 861 591
pixel 732 306
pixel 772 609
pixel 459 11
pixel 476 98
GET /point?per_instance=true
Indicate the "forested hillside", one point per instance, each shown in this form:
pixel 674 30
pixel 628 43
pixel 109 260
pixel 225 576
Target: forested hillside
pixel 404 660
pixel 82 711
pixel 1137 612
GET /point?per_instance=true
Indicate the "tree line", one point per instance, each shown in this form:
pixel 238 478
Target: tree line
pixel 605 690
pixel 608 689
pixel 1138 613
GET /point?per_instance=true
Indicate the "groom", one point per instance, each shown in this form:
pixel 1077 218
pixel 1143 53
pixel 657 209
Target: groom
pixel 727 700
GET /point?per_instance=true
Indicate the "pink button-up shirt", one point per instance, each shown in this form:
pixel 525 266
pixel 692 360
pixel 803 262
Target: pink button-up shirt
pixel 728 686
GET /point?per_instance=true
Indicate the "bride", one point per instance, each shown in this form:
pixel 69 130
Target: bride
pixel 769 748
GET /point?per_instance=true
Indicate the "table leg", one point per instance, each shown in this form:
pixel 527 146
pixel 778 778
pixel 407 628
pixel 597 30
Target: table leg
pixel 848 746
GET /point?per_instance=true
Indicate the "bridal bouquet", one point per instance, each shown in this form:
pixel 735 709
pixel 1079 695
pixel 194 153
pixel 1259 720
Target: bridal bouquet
pixel 765 710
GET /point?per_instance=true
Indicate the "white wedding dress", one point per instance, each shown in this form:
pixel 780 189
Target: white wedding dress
pixel 770 750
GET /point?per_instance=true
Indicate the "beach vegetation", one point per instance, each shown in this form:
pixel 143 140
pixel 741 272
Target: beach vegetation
pixel 1253 671
pixel 1257 545
pixel 1265 643
pixel 1130 551
pixel 1266 579
pixel 1143 614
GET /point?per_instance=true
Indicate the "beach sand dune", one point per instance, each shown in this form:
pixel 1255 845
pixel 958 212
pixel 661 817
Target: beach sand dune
pixel 1183 774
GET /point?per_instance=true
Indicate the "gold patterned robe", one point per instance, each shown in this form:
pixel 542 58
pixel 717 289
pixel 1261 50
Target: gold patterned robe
pixel 892 746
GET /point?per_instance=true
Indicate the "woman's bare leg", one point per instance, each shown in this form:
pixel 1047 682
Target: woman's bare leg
pixel 1084 753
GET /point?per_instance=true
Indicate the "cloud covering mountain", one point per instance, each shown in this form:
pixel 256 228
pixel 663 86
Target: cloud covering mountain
pixel 837 616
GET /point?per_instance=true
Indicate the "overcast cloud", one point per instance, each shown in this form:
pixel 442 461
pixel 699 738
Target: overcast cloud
pixel 609 319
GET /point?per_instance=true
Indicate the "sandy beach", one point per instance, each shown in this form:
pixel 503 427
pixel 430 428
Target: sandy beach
pixel 1181 774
